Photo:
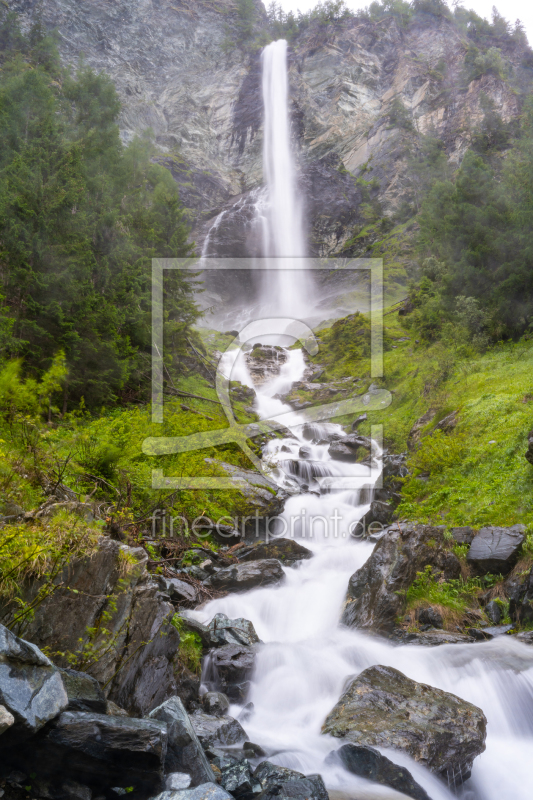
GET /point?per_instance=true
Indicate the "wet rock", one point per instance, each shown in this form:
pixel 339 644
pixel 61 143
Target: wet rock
pixel 239 781
pixel 84 692
pixel 217 731
pixel 305 452
pixel 496 550
pixel 463 535
pixel 250 575
pixel 354 441
pixel 181 592
pixel 184 750
pixel 497 630
pixel 382 707
pixel 288 551
pixel 429 616
pixel 338 451
pixel 376 591
pixel 232 631
pixel 97 751
pixel 187 686
pixel 176 781
pixel 252 750
pixel 31 688
pixel 264 362
pixel 367 762
pixel 526 637
pixel 206 791
pixel 269 774
pixel 432 638
pixel 215 703
pixel 493 611
pixel 309 788
pixel 521 601
pixel 233 666
pixel 6 719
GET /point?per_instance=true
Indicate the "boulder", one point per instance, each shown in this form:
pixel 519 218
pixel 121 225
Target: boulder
pixel 521 601
pixel 367 762
pixel 31 688
pixel 288 551
pixel 269 774
pixel 184 751
pixel 250 575
pixel 206 791
pixel 232 666
pixel 216 731
pixel 338 451
pixel 493 610
pixel 309 788
pixel 463 535
pixel 354 441
pixel 239 781
pixel 381 707
pixel 98 751
pixel 429 616
pixel 215 703
pixel 496 550
pixel 176 781
pixel 232 631
pixel 84 692
pixel 376 592
pixel 181 591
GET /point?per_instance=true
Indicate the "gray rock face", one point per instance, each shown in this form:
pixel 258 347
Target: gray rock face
pixel 184 751
pixel 143 639
pixel 215 703
pixel 269 774
pixel 84 692
pixel 216 731
pixel 374 597
pixel 309 788
pixel 239 781
pixel 31 688
pixel 250 575
pixel 463 535
pixel 384 708
pixel 232 667
pixel 367 762
pixel 288 551
pixel 97 751
pixel 496 550
pixel 232 631
pixel 207 791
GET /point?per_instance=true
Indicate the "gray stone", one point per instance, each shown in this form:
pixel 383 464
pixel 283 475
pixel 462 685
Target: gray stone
pixel 181 591
pixel 381 707
pixel 232 631
pixel 31 688
pixel 496 550
pixel 206 791
pixel 184 751
pixel 216 731
pixel 311 787
pixel 6 719
pixel 215 703
pixel 288 551
pixel 463 535
pixel 84 692
pixel 367 762
pixel 429 616
pixel 341 452
pixel 241 577
pixel 233 665
pixel 176 781
pixel 269 774
pixel 493 611
pixel 238 780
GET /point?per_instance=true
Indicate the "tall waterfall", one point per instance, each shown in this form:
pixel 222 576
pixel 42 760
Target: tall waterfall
pixel 280 209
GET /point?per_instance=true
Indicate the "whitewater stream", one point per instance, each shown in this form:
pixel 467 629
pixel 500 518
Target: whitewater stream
pixel 306 658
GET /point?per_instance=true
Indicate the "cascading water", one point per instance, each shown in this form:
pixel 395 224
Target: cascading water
pixel 307 658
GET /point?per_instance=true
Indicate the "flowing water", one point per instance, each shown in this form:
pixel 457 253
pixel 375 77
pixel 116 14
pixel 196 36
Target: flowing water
pixel 306 657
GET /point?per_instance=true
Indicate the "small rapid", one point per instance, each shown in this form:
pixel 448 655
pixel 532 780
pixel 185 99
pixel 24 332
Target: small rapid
pixel 306 657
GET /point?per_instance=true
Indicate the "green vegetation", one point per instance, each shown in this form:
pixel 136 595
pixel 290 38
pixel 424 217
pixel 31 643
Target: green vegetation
pixel 190 646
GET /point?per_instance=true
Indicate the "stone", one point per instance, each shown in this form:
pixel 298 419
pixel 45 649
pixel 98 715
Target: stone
pixel 463 535
pixel 493 611
pixel 376 591
pixel 354 441
pixel 233 665
pixel 6 719
pixel 361 418
pixel 338 451
pixel 497 630
pixel 239 781
pixel 311 787
pixel 184 750
pixel 429 616
pixel 496 550
pixel 305 452
pixel 250 575
pixel 83 692
pixel 215 703
pixel 288 551
pixel 269 774
pixel 232 631
pixel 367 762
pixel 206 791
pixel 97 751
pixel 113 710
pixel 176 781
pixel 31 688
pixel 521 601
pixel 381 707
pixel 413 440
pixel 181 591
pixel 216 731
pixel 431 638
pixel 526 637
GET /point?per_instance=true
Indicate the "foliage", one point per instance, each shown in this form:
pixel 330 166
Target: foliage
pixel 81 217
pixel 190 651
pixel 399 116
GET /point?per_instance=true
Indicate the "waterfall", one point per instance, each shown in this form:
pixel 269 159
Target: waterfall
pixel 280 209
